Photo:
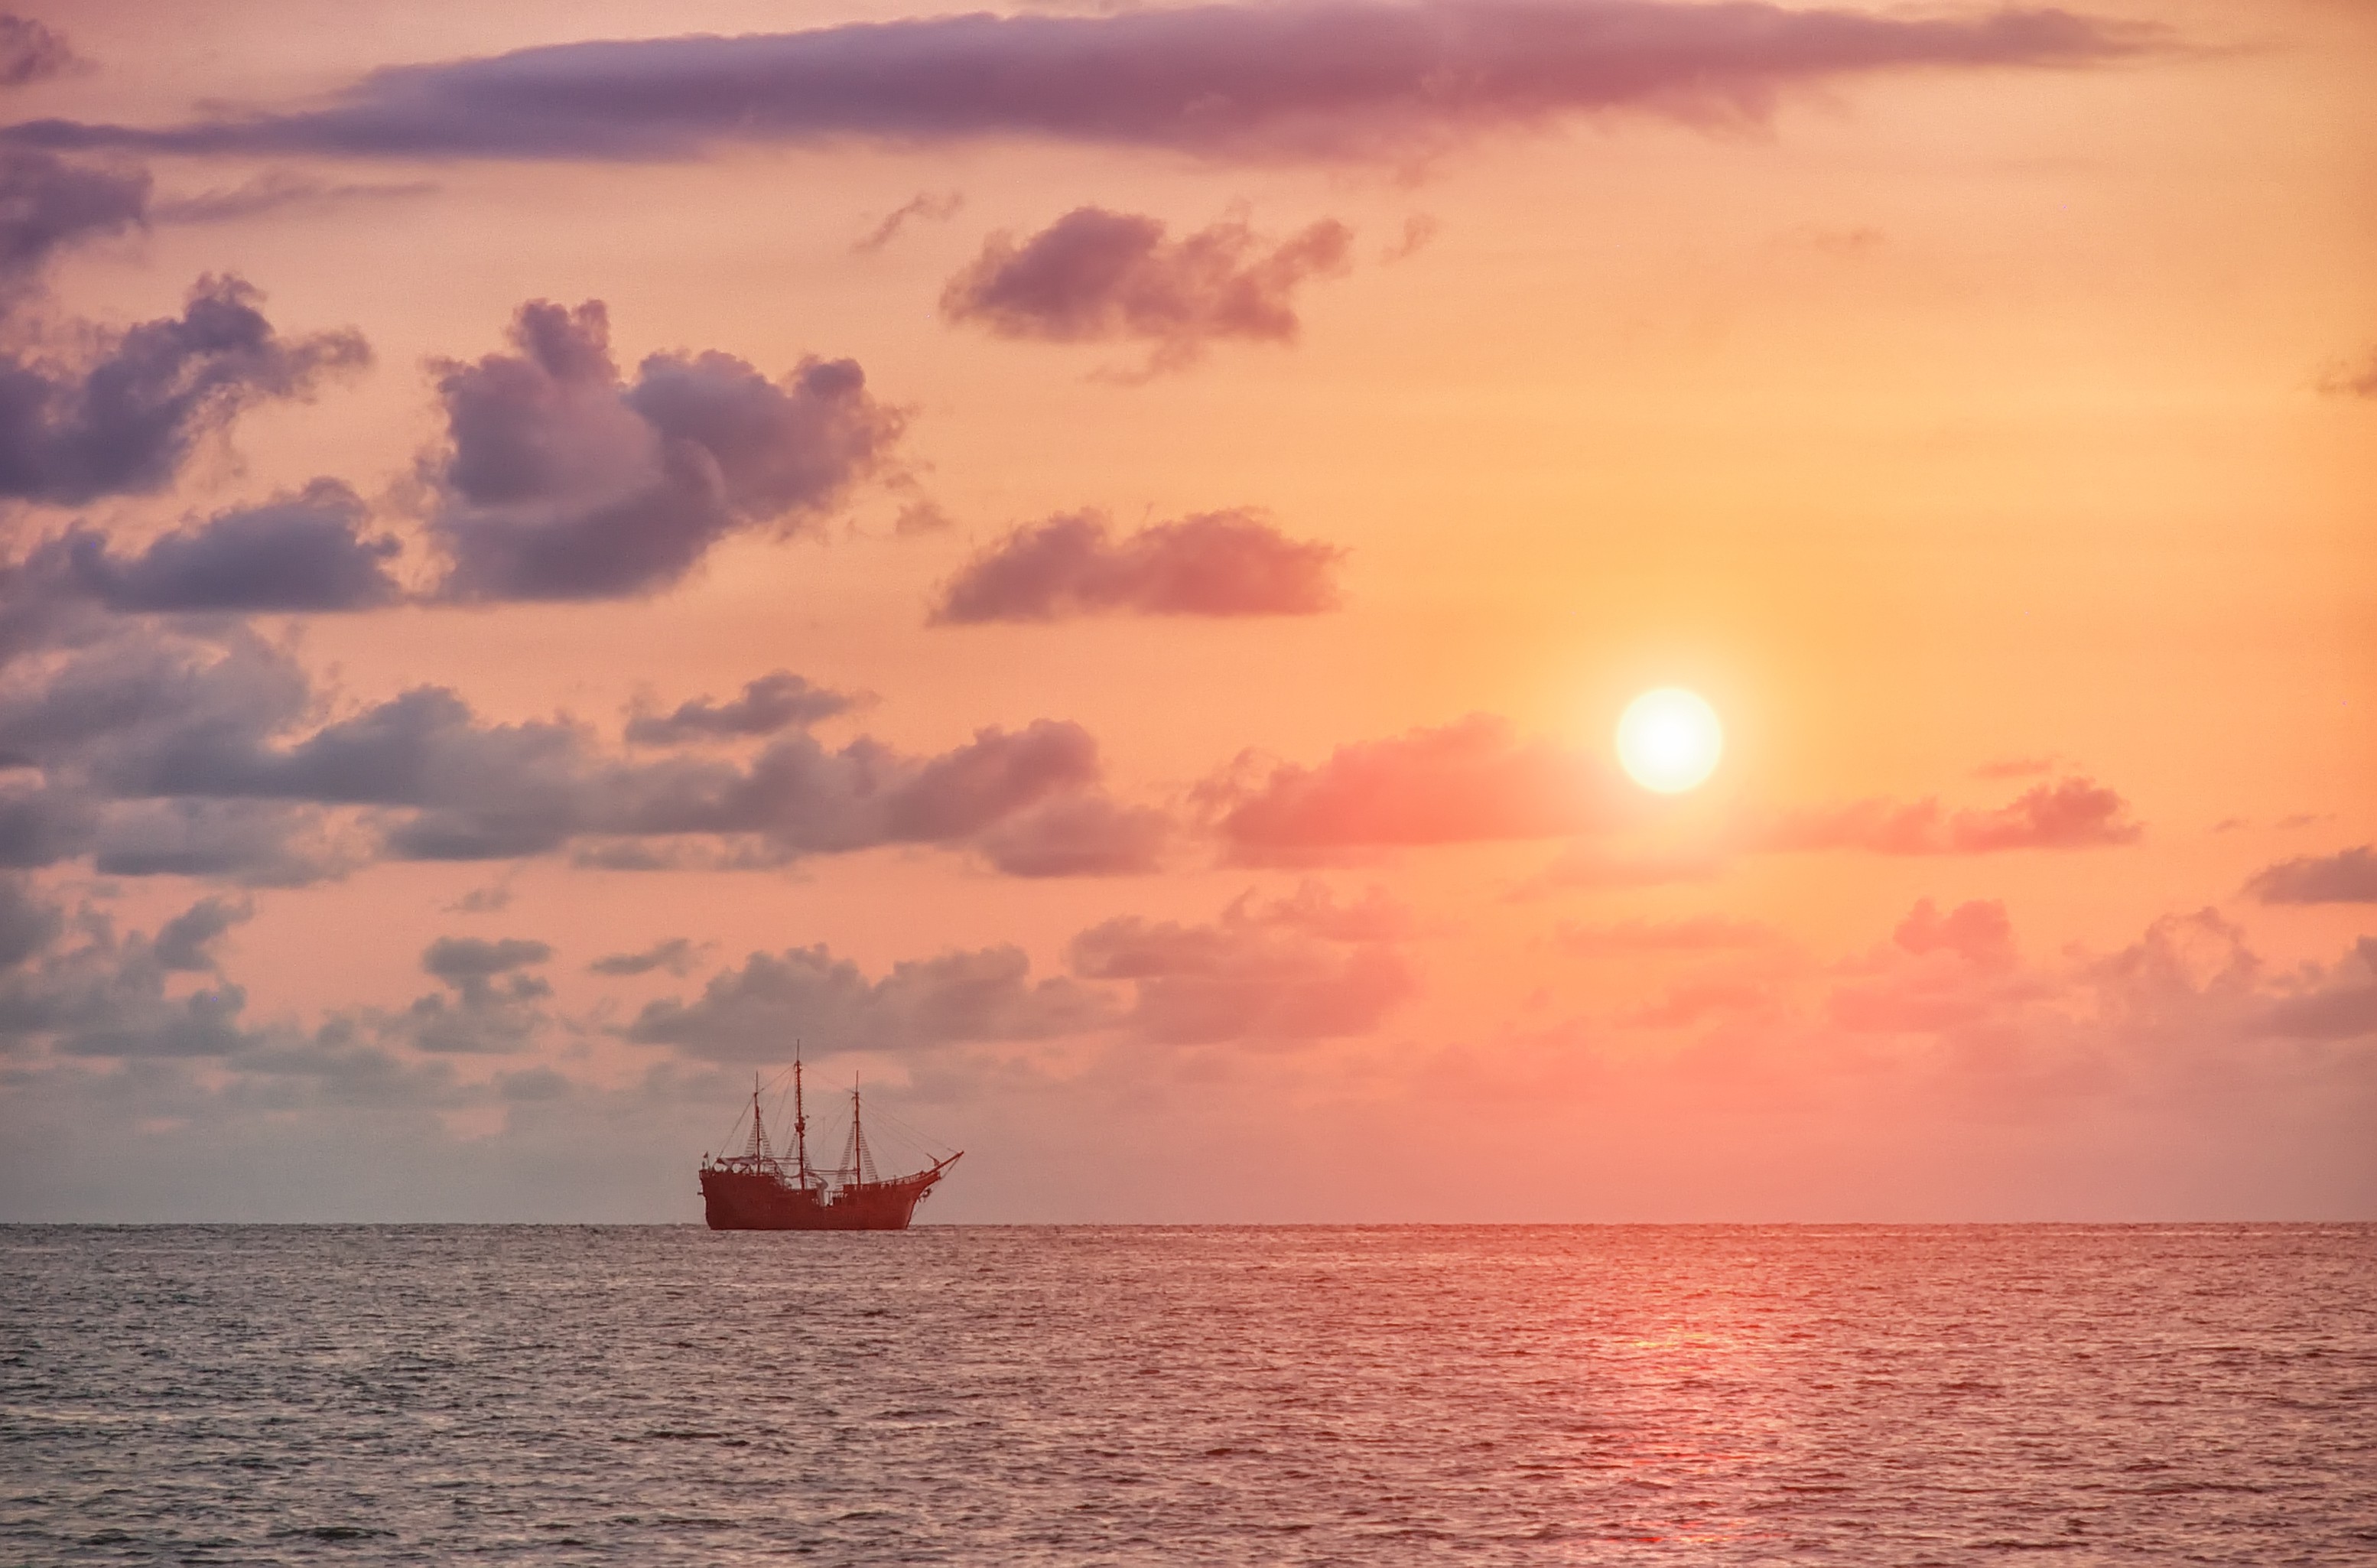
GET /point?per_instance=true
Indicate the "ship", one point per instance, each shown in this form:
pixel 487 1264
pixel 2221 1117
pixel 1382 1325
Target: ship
pixel 760 1189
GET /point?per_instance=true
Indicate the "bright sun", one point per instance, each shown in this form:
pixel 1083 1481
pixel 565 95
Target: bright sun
pixel 1669 740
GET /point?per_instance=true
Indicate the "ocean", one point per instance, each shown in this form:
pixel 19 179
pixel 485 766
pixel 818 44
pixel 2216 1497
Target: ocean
pixel 1262 1395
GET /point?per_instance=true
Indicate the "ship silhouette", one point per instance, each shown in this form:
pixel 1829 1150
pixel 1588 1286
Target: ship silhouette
pixel 760 1189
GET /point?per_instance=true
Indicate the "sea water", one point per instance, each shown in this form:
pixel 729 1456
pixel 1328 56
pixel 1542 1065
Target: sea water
pixel 1703 1395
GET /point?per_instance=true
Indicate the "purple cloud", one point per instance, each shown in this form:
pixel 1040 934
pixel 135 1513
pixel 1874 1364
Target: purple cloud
pixel 306 551
pixel 199 748
pixel 123 418
pixel 30 52
pixel 1095 276
pixel 47 204
pixel 1329 78
pixel 777 701
pixel 560 480
pixel 924 206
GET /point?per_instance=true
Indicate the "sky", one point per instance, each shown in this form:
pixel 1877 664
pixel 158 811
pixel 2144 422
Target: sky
pixel 1082 562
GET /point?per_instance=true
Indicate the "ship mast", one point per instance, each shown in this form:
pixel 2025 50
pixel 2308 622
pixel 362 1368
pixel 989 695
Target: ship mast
pixel 800 1118
pixel 858 1160
pixel 759 1149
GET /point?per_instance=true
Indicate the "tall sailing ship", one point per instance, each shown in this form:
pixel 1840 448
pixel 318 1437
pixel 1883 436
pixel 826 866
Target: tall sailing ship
pixel 759 1190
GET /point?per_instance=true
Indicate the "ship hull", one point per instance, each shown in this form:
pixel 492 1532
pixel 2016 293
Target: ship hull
pixel 740 1200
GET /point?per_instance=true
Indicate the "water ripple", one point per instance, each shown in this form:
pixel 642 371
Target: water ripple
pixel 655 1395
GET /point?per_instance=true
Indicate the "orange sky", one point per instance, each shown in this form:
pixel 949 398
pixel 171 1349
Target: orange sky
pixel 1990 421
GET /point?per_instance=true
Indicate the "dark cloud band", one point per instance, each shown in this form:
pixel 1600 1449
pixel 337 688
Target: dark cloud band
pixel 1284 80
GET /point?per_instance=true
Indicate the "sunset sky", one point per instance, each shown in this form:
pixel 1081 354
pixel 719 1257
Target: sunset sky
pixel 1085 561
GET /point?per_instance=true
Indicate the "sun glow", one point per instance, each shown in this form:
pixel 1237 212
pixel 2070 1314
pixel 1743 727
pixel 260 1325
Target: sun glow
pixel 1669 740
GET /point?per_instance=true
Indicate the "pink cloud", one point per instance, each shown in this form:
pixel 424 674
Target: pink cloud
pixel 2350 876
pixel 1471 781
pixel 1377 916
pixel 1977 932
pixel 1300 969
pixel 2072 813
pixel 1212 564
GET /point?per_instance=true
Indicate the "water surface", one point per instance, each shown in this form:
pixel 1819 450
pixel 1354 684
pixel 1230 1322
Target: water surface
pixel 1710 1394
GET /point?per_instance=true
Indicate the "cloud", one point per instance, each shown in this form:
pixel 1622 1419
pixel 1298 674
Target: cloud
pixel 122 419
pixel 924 205
pixel 278 190
pixel 1313 908
pixel 472 962
pixel 492 899
pixel 185 942
pixel 1419 231
pixel 30 52
pixel 2350 876
pixel 1327 78
pixel 490 1007
pixel 301 552
pixel 48 204
pixel 2348 380
pixel 1097 276
pixel 919 518
pixel 268 844
pixel 674 954
pixel 755 1013
pixel 777 701
pixel 561 481
pixel 137 715
pixel 1215 564
pixel 41 825
pixel 1079 835
pixel 82 990
pixel 1468 781
pixel 202 749
pixel 1301 969
pixel 85 991
pixel 2340 1005
pixel 29 923
pixel 2072 813
pixel 1977 932
pixel 1698 933
pixel 1959 974
pixel 2014 768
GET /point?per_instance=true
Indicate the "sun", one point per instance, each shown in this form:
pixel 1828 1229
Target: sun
pixel 1669 740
